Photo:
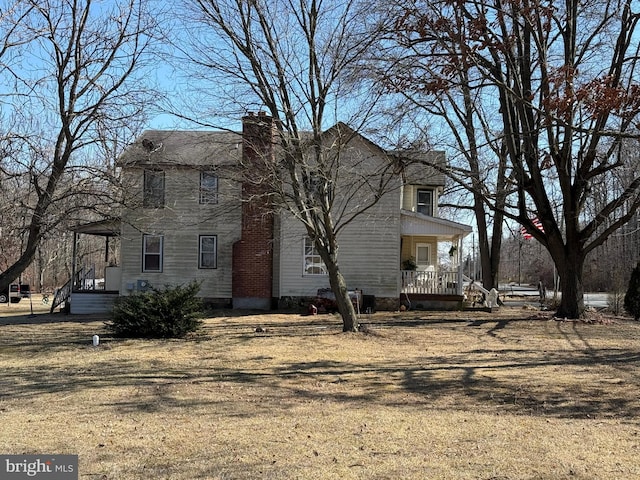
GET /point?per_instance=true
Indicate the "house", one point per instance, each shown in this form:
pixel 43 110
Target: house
pixel 185 221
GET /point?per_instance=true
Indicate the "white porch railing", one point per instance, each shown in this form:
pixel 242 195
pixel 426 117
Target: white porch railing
pixel 431 283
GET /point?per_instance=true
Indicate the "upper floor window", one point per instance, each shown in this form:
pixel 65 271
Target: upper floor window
pixel 313 264
pixel 207 254
pixel 152 252
pixel 425 202
pixel 208 188
pixel 153 194
pixel 318 187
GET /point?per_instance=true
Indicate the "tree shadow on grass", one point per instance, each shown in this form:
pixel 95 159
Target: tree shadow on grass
pixel 488 380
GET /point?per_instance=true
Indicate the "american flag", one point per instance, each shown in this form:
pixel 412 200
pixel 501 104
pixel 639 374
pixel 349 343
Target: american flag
pixel 525 233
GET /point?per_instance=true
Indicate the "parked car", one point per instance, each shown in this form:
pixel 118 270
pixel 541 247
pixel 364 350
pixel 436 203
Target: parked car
pixel 15 292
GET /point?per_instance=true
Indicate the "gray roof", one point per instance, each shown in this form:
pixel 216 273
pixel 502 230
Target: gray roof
pixel 195 148
pixel 183 147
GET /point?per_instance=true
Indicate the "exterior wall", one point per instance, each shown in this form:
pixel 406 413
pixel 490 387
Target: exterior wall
pixel 369 255
pixel 409 247
pixel 181 222
pixel 369 259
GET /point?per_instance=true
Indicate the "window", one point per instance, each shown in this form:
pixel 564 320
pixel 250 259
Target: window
pixel 425 202
pixel 207 253
pixel 208 188
pixel 153 189
pixel 423 255
pixel 318 186
pixel 313 264
pixel 152 246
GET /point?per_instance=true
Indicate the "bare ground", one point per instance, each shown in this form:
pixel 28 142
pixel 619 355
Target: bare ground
pixel 512 394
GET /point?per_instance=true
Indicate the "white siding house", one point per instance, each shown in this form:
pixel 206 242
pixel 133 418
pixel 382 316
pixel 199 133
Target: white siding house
pixel 185 221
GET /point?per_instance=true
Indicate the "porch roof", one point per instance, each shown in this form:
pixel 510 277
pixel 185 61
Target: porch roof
pixel 104 228
pixel 414 223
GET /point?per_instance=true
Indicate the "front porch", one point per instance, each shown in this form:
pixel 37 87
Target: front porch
pixel 431 261
pixel 86 292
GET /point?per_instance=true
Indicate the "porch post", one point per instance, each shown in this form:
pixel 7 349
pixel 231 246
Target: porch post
pixel 73 260
pixel 460 257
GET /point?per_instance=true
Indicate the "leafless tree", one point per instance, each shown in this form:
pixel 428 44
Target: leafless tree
pixel 76 70
pixel 558 86
pixel 295 60
pixel 426 88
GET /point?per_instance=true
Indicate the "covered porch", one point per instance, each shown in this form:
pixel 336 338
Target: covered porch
pixel 95 277
pixel 425 275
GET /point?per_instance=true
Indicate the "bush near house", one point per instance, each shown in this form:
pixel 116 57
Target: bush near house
pixel 172 312
pixel 632 298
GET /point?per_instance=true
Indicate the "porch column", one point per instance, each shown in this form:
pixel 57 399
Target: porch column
pixel 460 257
pixel 74 265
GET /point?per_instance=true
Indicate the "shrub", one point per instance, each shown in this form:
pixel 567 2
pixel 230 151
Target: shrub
pixel 632 298
pixel 615 300
pixel 169 313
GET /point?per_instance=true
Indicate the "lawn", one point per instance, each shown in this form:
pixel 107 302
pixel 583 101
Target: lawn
pixel 511 394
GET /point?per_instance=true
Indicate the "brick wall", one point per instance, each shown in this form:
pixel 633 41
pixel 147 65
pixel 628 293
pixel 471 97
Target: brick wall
pixel 253 253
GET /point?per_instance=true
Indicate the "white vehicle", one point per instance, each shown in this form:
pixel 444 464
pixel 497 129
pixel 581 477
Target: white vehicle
pixel 15 292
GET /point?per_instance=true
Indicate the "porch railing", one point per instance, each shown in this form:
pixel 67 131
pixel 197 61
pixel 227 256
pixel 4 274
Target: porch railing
pixel 430 283
pixel 63 293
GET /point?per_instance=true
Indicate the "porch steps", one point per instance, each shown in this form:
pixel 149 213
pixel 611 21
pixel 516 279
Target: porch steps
pixel 63 293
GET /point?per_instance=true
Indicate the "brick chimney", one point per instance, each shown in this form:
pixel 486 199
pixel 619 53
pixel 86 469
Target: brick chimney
pixel 253 253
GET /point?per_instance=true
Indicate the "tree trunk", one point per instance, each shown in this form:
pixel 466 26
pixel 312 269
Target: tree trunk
pixel 26 257
pixel 345 307
pixel 571 286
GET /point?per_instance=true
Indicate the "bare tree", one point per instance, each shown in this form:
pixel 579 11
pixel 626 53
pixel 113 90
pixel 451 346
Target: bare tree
pixel 426 88
pixel 559 87
pixel 77 71
pixel 296 60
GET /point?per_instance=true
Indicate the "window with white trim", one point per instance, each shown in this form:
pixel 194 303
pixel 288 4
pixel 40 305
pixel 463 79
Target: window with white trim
pixel 425 202
pixel 208 188
pixel 423 255
pixel 311 261
pixel 208 251
pixel 152 252
pixel 153 190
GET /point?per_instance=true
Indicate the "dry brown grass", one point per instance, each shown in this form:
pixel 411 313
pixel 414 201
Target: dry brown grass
pixel 506 395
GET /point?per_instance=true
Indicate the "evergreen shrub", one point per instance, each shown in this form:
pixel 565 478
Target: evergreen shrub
pixel 632 297
pixel 172 312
